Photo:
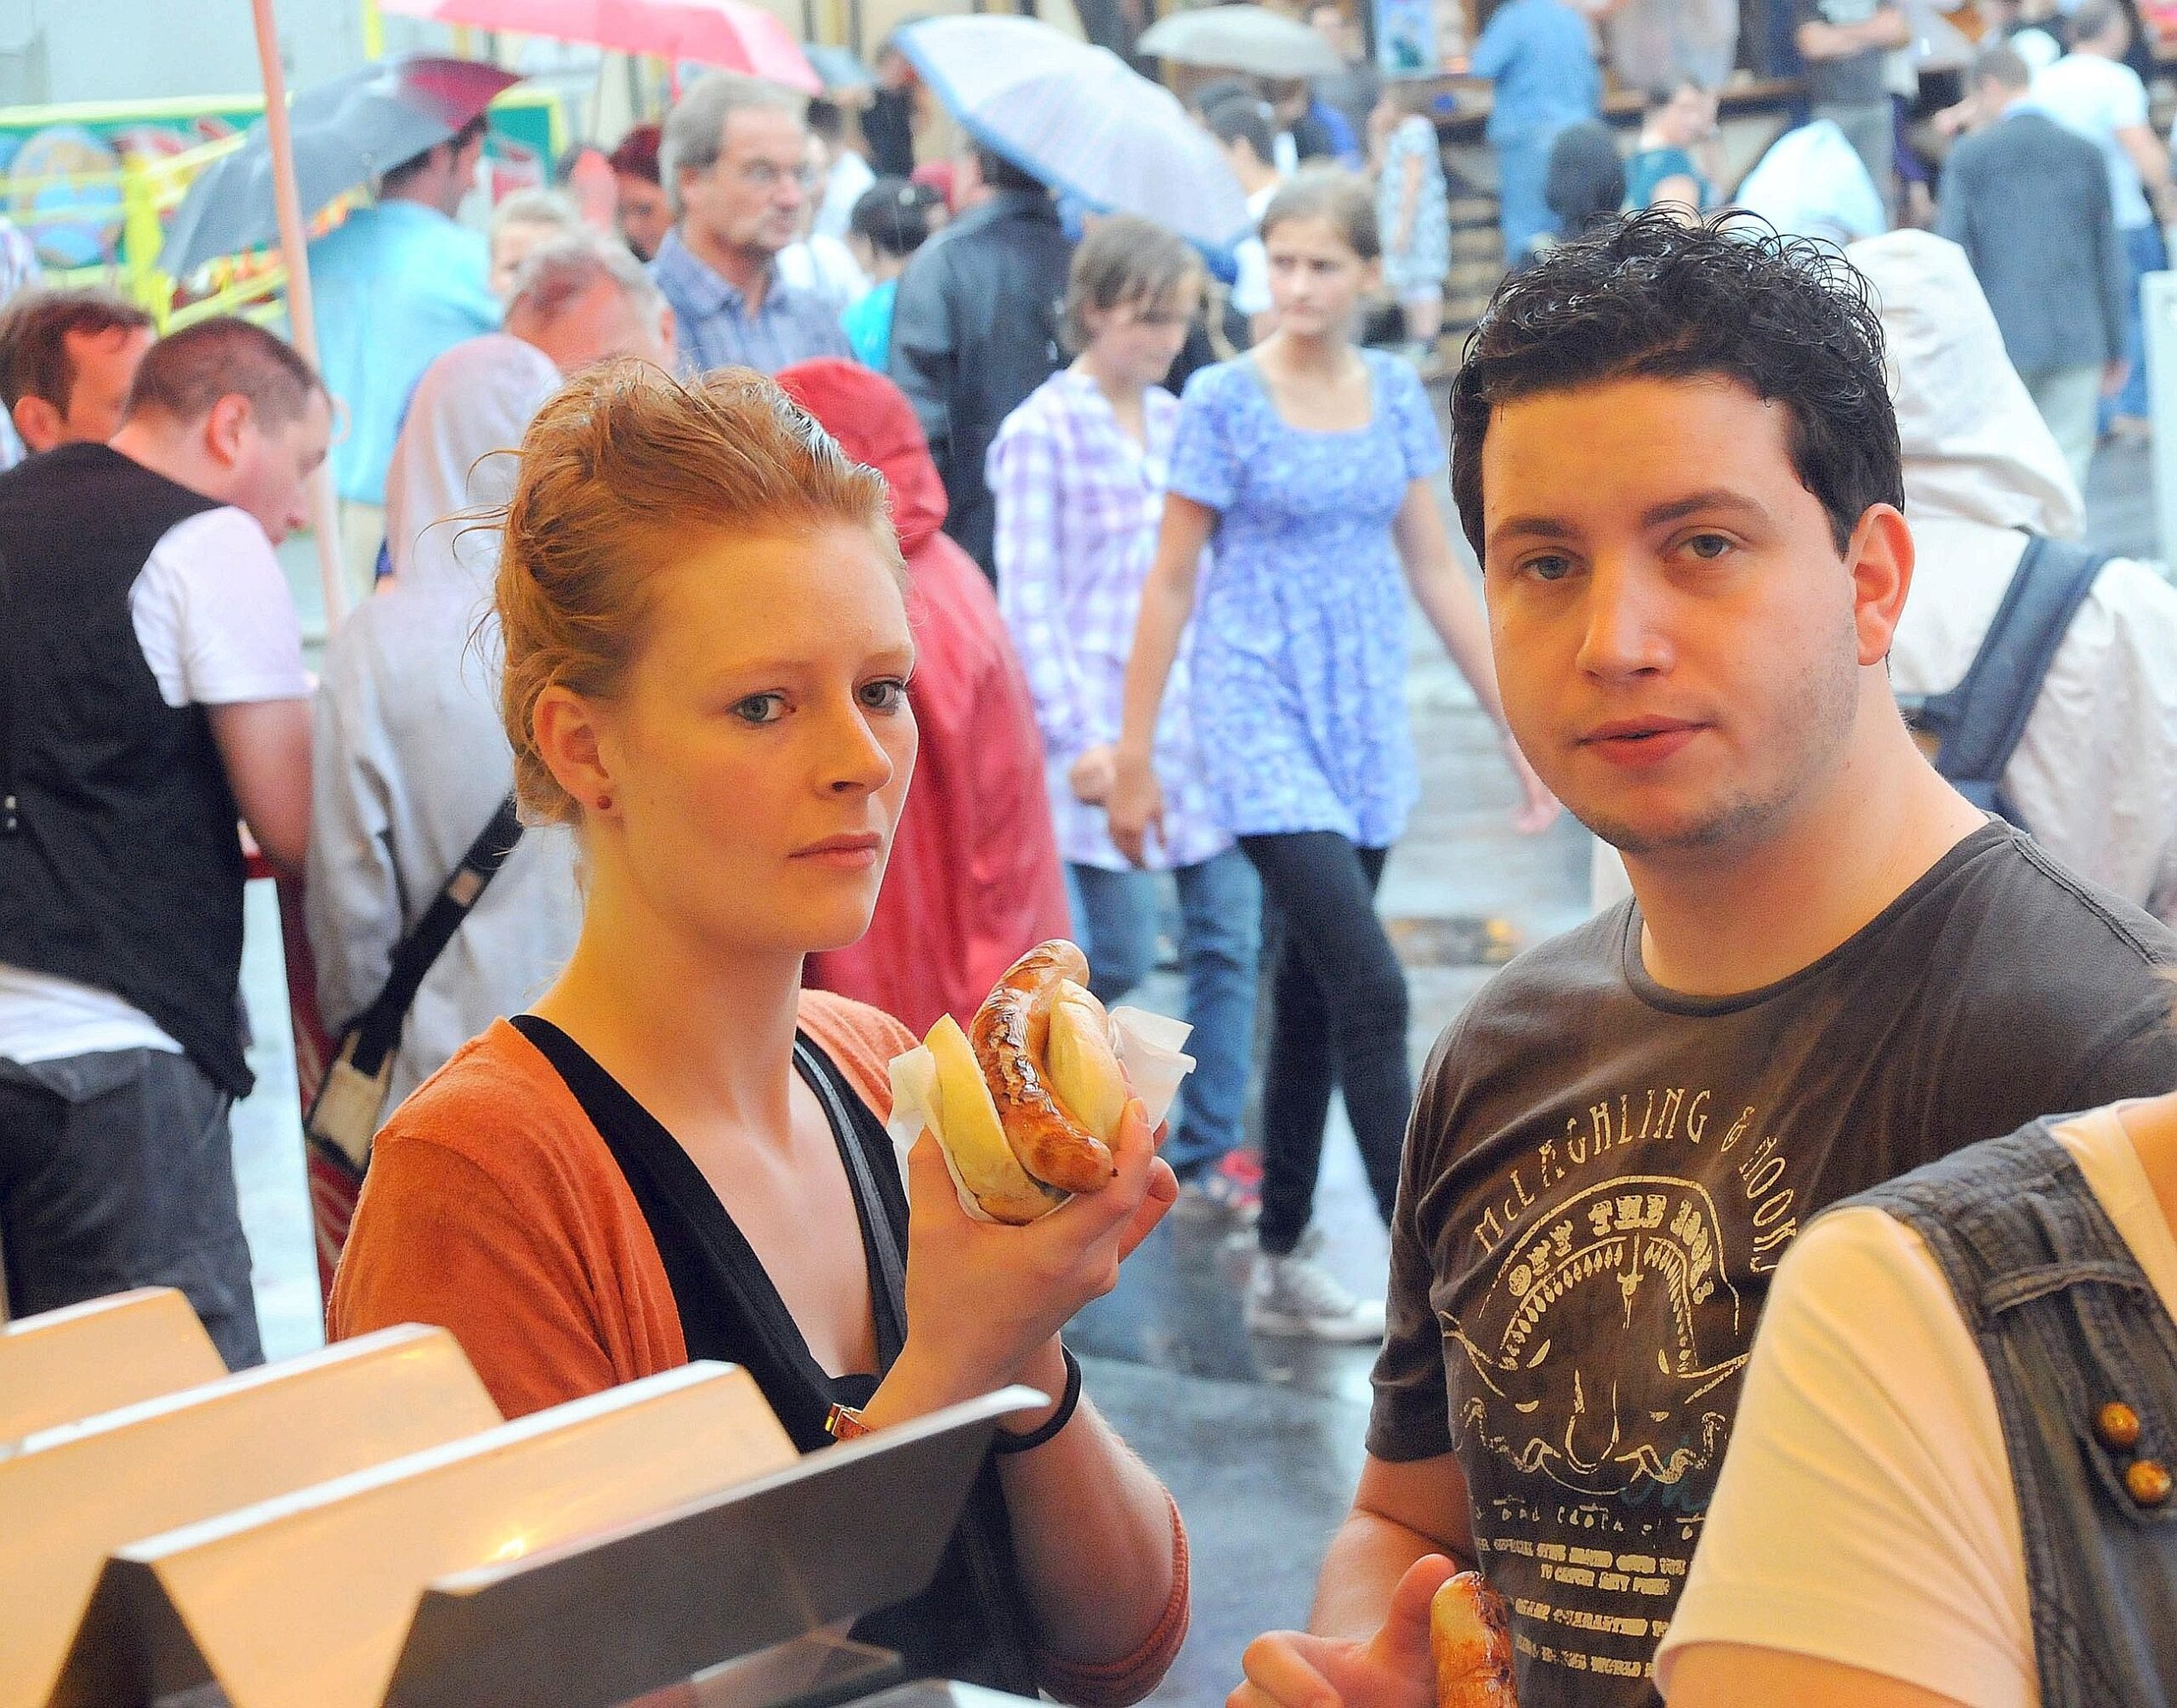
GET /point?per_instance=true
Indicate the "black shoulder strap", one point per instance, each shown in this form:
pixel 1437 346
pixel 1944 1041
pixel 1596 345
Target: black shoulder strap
pixel 891 1263
pixel 1980 722
pixel 378 1028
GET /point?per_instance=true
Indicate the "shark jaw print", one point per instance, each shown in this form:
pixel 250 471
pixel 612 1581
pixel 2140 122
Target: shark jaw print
pixel 1588 1350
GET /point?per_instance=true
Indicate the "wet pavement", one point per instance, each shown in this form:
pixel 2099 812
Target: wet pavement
pixel 1260 1438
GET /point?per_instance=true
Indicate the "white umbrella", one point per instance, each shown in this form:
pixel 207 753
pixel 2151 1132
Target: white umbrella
pixel 1082 120
pixel 1242 38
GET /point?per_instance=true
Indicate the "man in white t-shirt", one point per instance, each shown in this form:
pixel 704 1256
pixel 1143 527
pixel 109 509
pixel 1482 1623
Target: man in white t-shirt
pixel 1242 126
pixel 2093 92
pixel 1865 1546
pixel 152 692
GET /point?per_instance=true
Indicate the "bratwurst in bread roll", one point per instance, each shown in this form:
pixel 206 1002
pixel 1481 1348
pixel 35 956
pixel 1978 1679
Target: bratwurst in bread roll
pixel 1030 1095
pixel 1470 1641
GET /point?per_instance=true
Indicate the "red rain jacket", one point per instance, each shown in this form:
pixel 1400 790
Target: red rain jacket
pixel 974 881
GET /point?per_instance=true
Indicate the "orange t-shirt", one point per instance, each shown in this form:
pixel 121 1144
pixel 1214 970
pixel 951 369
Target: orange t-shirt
pixel 493 1209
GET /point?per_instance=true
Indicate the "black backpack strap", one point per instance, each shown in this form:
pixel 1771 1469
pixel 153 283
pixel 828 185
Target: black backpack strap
pixel 11 819
pixel 377 1029
pixel 1979 723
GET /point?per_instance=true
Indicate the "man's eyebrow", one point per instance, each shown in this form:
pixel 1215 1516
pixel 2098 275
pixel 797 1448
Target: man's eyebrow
pixel 1531 527
pixel 1715 498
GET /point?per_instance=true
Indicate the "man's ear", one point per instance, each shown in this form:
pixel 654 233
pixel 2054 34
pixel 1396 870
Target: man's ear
pixel 226 428
pixel 37 423
pixel 1880 561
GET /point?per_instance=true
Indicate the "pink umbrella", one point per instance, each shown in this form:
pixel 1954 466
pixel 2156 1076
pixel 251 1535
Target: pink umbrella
pixel 727 33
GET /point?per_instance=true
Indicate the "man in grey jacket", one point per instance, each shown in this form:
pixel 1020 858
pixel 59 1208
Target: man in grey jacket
pixel 2028 201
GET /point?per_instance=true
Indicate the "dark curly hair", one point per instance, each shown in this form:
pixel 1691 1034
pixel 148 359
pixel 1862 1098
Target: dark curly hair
pixel 1648 297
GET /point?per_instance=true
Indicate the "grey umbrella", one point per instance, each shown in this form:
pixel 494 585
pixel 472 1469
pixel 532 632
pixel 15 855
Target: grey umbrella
pixel 1242 38
pixel 839 67
pixel 346 132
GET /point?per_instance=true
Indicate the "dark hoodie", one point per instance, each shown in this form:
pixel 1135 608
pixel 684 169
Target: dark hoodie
pixel 974 880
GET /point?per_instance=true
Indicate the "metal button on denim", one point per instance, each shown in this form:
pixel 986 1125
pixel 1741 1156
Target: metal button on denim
pixel 2147 1481
pixel 2117 1427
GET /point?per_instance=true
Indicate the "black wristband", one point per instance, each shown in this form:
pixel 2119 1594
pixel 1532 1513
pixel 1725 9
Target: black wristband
pixel 1068 1403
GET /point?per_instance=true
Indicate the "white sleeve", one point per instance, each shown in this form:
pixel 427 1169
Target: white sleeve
pixel 213 616
pixel 1865 1513
pixel 2096 774
pixel 1251 289
pixel 2127 98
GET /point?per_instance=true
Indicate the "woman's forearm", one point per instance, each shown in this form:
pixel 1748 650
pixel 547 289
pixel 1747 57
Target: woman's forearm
pixel 1091 1532
pixel 1166 603
pixel 1456 615
pixel 1445 597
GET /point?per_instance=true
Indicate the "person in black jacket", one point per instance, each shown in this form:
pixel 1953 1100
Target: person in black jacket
pixel 2028 201
pixel 975 329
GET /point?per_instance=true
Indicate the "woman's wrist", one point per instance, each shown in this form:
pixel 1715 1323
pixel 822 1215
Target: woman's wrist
pixel 1046 1371
pixel 918 1384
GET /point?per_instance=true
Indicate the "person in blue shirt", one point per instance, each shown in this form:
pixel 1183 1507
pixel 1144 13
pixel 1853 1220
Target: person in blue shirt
pixel 1665 168
pixel 891 219
pixel 1540 57
pixel 397 285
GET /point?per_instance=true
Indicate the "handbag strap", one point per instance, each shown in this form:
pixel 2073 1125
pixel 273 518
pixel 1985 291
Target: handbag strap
pixel 891 1264
pixel 377 1029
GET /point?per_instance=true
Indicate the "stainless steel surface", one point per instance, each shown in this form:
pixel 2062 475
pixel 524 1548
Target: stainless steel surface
pixel 847 1530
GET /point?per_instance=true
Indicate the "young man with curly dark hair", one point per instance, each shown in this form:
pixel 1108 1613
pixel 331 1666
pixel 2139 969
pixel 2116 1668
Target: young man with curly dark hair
pixel 1676 458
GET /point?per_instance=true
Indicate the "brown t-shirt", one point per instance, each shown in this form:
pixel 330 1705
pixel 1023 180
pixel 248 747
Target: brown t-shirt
pixel 1601 1177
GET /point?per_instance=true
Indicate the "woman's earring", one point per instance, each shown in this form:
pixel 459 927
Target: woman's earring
pixel 605 803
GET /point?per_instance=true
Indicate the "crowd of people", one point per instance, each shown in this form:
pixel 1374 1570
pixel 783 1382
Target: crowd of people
pixel 785 609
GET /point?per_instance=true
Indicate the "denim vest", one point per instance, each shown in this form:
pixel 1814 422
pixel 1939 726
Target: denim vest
pixel 2066 1321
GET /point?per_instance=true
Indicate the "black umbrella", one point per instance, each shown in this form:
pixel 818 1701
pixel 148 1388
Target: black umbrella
pixel 347 132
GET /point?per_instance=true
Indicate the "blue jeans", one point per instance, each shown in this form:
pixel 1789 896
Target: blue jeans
pixel 1221 937
pixel 2142 250
pixel 1522 171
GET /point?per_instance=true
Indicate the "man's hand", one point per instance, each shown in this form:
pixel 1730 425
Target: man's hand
pixel 2113 375
pixel 1291 1669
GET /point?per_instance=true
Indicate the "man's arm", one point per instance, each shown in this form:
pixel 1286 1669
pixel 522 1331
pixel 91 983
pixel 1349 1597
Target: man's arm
pixel 2111 270
pixel 264 746
pixel 1402 1512
pixel 1369 1646
pixel 2145 149
pixel 1723 1675
pixel 1887 29
pixel 1954 212
pixel 924 350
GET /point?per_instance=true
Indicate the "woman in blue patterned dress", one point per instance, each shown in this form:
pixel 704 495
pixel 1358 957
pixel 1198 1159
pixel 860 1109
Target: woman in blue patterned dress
pixel 1413 217
pixel 1310 463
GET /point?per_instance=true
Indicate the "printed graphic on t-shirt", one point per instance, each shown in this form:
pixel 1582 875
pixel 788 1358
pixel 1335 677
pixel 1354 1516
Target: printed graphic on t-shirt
pixel 1599 1364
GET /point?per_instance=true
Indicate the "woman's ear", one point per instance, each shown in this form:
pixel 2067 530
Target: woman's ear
pixel 565 727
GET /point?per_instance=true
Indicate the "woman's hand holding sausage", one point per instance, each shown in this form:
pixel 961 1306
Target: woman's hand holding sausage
pixel 986 1302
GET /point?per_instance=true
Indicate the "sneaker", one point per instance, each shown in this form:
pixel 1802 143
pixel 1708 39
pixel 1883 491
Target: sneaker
pixel 1295 1295
pixel 1231 1193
